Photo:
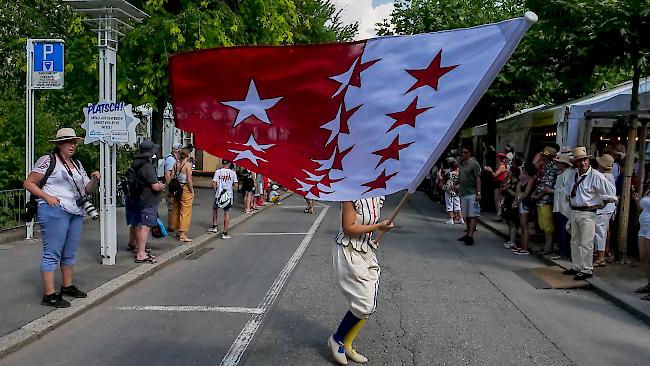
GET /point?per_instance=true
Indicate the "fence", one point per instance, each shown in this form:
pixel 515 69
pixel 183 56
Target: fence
pixel 12 207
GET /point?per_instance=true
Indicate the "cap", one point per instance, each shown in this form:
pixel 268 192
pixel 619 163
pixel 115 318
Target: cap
pixel 177 146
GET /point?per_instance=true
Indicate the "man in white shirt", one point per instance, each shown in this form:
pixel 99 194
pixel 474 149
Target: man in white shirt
pixel 588 190
pixel 222 184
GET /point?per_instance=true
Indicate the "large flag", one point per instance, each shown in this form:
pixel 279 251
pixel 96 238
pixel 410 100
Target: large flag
pixel 340 121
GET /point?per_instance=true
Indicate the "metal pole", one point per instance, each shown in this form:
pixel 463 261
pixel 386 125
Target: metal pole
pixel 107 153
pixel 29 128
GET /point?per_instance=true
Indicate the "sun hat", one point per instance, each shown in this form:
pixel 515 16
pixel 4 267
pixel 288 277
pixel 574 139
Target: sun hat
pixel 606 162
pixel 65 134
pixel 564 156
pixel 147 149
pixel 549 151
pixel 580 152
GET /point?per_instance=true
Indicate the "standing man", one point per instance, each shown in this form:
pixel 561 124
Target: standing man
pixel 168 165
pixel 588 191
pixel 222 184
pixel 143 212
pixel 469 189
pixel 561 207
pixel 543 195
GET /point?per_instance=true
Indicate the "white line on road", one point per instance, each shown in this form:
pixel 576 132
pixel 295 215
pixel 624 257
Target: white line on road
pixel 262 234
pixel 245 337
pixel 216 309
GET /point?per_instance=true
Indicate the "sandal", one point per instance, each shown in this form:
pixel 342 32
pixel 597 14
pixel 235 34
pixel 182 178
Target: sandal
pixel 148 259
pixel 600 263
pixel 643 290
pixel 134 249
pixel 185 240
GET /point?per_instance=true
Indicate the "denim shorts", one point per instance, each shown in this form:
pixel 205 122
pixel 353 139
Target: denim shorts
pixel 137 215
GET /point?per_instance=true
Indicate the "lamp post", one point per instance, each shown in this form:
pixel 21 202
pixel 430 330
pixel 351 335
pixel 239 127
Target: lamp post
pixel 111 18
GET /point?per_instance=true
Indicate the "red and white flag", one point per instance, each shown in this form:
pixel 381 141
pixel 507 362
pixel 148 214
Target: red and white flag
pixel 340 121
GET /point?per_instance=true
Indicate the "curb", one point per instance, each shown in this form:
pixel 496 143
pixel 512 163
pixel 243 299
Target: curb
pixel 623 300
pixel 39 327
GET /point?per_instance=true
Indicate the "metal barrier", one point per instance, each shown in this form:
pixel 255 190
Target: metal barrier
pixel 12 207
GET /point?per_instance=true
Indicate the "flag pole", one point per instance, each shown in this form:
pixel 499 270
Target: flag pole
pixel 529 18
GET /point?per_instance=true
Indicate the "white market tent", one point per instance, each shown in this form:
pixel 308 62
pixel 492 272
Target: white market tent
pixel 578 129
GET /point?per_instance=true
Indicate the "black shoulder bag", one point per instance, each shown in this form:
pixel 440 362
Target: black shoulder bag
pixel 31 207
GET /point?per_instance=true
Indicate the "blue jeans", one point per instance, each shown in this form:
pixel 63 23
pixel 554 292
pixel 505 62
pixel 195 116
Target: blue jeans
pixel 60 232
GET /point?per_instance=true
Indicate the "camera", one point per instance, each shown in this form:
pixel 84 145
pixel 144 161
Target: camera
pixel 84 202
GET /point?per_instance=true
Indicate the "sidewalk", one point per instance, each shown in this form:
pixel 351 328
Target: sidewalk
pixel 24 319
pixel 615 282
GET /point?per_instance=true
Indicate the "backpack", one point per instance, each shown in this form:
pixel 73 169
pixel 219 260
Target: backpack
pixel 129 183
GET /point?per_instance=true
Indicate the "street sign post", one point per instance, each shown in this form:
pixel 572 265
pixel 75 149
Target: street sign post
pixel 45 68
pixel 112 18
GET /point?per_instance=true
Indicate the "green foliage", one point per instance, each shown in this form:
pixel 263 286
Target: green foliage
pixel 173 26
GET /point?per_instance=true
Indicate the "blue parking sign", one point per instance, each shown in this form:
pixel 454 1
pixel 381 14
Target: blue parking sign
pixel 48 57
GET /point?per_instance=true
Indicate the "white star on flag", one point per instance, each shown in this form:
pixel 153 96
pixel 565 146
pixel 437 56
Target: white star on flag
pixel 313 177
pixel 325 164
pixel 344 78
pixel 333 126
pixel 252 143
pixel 304 186
pixel 247 154
pixel 252 105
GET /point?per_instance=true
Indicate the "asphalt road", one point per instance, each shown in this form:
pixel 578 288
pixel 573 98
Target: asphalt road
pixel 268 297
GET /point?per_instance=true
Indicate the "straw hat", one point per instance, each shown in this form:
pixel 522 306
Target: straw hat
pixel 549 151
pixel 564 156
pixel 580 152
pixel 66 134
pixel 606 162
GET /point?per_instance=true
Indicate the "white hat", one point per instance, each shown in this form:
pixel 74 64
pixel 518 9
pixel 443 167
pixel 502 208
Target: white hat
pixel 65 134
pixel 177 146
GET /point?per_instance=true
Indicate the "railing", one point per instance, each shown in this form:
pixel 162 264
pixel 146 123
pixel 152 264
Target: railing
pixel 12 207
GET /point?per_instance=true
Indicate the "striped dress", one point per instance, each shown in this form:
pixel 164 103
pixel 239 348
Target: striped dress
pixel 368 213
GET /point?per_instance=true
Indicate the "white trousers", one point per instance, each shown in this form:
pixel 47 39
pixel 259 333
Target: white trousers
pixel 583 229
pixel 602 227
pixel 358 276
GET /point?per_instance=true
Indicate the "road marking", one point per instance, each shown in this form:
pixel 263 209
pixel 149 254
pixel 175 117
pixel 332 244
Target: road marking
pixel 262 234
pixel 187 309
pixel 246 335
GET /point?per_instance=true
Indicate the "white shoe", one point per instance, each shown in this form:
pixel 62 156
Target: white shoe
pixel 508 245
pixel 338 351
pixel 356 356
pixel 461 222
pixel 225 235
pixel 213 229
pixel 450 222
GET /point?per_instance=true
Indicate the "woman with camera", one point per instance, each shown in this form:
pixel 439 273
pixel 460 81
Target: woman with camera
pixel 61 191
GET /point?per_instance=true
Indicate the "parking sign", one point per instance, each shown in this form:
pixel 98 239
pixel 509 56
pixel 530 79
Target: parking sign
pixel 47 65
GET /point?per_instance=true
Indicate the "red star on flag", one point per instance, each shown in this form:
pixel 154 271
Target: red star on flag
pixel 327 181
pixel 431 75
pixel 338 158
pixel 391 151
pixel 379 182
pixel 345 116
pixel 407 116
pixel 355 79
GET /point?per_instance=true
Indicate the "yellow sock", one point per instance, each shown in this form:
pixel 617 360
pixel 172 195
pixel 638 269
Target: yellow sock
pixel 352 334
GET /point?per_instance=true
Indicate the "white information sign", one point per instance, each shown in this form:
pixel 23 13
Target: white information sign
pixel 110 122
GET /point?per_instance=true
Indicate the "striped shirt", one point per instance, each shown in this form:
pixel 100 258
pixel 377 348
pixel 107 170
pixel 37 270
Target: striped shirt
pixel 368 212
